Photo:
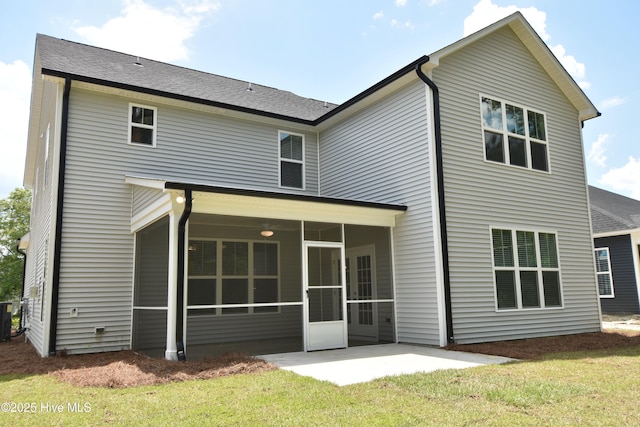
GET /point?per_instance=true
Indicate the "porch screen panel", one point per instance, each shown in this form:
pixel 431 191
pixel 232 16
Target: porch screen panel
pixel 235 275
pixel 152 270
pixel 202 267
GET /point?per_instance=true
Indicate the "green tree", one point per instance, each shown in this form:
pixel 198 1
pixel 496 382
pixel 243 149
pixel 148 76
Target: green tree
pixel 14 223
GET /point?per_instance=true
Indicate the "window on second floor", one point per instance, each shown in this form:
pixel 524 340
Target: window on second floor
pixel 526 269
pixel 291 147
pixel 603 272
pixel 514 135
pixel 142 125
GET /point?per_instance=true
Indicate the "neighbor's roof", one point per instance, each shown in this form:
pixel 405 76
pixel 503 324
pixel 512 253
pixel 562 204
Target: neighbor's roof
pixel 82 62
pixel 613 212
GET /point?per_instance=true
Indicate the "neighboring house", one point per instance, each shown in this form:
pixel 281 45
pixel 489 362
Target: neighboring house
pixel 616 238
pixel 174 208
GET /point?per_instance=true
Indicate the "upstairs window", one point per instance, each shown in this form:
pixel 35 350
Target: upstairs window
pixel 514 135
pixel 142 125
pixel 603 273
pixel 526 269
pixel 291 160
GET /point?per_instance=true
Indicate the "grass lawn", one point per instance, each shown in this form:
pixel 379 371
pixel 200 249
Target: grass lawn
pixel 583 388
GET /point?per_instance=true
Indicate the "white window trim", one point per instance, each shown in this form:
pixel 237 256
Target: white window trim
pixel 250 277
pixel 506 134
pixel 140 125
pixel 516 268
pixel 284 159
pixel 609 273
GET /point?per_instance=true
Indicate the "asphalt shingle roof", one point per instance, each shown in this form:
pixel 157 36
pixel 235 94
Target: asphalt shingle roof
pixel 65 58
pixel 613 212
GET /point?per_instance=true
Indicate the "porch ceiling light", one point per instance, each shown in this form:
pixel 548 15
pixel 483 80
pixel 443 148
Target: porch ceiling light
pixel 266 233
pixel 180 199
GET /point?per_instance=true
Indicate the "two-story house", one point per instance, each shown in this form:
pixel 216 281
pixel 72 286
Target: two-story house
pixel 175 209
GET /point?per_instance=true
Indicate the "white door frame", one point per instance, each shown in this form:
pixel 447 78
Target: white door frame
pixel 330 334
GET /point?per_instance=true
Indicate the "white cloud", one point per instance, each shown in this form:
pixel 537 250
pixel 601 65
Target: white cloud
pixel 611 102
pixel 598 150
pixel 146 31
pixel 401 3
pixel 15 88
pixel 486 13
pixel 584 85
pixel 378 15
pixel 625 179
pixel 575 68
pixel 407 25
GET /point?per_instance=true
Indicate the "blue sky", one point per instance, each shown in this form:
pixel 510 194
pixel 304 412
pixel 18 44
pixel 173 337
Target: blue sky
pixel 332 50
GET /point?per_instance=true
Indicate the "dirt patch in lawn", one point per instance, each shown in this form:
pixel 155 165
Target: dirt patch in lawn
pixel 129 369
pixel 121 368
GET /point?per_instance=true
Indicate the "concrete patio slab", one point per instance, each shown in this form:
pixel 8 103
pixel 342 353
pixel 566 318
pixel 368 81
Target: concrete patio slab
pixel 366 363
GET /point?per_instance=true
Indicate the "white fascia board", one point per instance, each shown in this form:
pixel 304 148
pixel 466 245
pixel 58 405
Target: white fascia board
pixel 152 213
pixel 241 205
pixel 156 183
pixel 616 233
pixel 23 242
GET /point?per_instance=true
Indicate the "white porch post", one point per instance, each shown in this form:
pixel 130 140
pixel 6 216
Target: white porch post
pixel 171 353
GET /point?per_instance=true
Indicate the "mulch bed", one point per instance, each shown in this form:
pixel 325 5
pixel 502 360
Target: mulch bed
pixel 536 348
pixel 121 368
pixel 129 369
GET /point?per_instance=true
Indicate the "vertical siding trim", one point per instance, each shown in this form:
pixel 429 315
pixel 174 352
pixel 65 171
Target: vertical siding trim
pixel 437 237
pixel 53 324
pixel 394 282
pixel 441 218
pixel 318 163
pixel 593 246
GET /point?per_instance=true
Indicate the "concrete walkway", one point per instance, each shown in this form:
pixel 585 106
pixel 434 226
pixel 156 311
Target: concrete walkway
pixel 366 363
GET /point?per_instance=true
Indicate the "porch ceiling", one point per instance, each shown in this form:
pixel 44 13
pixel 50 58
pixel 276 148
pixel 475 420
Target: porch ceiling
pixel 209 199
pixel 291 209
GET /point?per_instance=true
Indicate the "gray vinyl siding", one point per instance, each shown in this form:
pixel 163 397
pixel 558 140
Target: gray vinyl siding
pixel 482 194
pixel 39 254
pixel 623 272
pixel 382 154
pixel 97 254
pixel 143 197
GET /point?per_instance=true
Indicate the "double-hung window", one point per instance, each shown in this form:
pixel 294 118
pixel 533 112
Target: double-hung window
pixel 232 275
pixel 526 269
pixel 514 135
pixel 142 125
pixel 291 148
pixel 603 272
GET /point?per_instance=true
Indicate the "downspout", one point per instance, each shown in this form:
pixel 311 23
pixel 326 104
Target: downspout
pixel 21 329
pixel 182 226
pixel 441 201
pixel 55 286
